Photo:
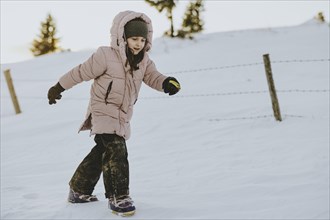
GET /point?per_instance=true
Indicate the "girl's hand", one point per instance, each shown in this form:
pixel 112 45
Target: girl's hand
pixel 171 86
pixel 55 93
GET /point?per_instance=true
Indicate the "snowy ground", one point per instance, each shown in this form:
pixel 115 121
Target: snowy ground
pixel 214 151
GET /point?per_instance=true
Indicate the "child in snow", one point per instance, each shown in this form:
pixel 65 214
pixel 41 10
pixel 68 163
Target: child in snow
pixel 118 72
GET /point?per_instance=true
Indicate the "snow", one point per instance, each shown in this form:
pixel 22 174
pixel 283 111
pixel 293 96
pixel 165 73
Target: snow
pixel 213 151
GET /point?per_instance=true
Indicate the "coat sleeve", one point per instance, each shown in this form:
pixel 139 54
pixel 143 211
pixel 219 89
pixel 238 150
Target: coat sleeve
pixel 93 67
pixel 152 77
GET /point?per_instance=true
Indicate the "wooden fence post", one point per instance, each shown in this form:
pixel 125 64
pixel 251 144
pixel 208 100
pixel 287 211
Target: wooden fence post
pixel 12 91
pixel 272 90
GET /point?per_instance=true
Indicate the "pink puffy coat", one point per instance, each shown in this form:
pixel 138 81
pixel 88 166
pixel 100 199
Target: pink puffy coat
pixel 114 90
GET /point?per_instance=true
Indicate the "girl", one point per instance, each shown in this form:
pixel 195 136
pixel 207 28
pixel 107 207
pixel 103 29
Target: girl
pixel 118 72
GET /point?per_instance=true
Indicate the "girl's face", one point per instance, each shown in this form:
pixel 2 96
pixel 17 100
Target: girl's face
pixel 136 44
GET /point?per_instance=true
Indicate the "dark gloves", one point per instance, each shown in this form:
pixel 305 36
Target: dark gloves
pixel 55 93
pixel 171 85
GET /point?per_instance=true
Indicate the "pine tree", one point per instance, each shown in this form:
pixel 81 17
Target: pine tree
pixel 192 22
pixel 46 42
pixel 160 5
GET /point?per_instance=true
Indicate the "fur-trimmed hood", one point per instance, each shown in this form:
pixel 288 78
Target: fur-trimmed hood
pixel 117 30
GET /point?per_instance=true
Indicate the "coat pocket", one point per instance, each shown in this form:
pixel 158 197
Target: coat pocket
pixel 108 92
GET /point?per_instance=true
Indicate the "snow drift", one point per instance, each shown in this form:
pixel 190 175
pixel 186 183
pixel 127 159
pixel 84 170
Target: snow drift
pixel 213 151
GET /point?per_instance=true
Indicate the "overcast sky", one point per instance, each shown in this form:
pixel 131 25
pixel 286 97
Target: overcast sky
pixel 86 24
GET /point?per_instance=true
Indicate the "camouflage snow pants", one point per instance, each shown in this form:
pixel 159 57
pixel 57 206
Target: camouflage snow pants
pixel 110 157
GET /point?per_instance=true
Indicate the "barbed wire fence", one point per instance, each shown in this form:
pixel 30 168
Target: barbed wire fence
pixel 234 93
pixel 252 92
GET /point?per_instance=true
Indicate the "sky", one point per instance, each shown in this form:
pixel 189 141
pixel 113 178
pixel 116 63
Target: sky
pixel 84 25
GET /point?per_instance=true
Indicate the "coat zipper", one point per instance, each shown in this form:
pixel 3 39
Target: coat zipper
pixel 108 91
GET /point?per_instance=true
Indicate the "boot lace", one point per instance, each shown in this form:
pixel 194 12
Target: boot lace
pixel 123 200
pixel 87 197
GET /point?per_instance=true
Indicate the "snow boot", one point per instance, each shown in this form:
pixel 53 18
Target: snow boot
pixel 75 197
pixel 122 206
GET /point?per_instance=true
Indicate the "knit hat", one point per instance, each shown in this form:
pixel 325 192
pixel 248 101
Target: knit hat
pixel 136 28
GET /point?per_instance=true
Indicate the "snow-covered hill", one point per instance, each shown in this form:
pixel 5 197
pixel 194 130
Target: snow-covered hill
pixel 214 151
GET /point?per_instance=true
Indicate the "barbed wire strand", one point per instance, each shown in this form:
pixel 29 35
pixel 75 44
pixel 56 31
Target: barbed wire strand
pixel 254 117
pixel 198 95
pixel 249 64
pixel 240 93
pixel 206 69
